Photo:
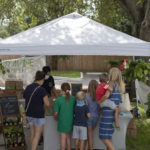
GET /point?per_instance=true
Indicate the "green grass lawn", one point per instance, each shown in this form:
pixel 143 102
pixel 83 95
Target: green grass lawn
pixel 66 73
pixel 142 140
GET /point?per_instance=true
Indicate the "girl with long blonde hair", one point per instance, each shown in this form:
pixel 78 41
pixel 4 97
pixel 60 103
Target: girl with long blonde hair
pixel 107 119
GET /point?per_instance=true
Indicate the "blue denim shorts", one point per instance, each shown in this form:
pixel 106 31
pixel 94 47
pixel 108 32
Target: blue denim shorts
pixel 92 121
pixel 35 121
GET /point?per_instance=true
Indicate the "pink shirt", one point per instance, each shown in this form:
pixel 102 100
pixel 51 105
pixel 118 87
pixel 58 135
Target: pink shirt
pixel 100 90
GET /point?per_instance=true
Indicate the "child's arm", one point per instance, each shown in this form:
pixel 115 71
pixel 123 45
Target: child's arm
pixel 56 109
pixel 107 94
pixel 88 115
pixel 110 89
pixel 86 102
pixel 55 115
pixel 87 112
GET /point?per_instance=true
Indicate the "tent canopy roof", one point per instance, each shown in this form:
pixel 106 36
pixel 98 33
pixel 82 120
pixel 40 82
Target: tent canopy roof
pixel 74 34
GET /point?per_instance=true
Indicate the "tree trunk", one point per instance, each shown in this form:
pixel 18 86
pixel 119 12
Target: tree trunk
pixel 140 17
pixel 145 26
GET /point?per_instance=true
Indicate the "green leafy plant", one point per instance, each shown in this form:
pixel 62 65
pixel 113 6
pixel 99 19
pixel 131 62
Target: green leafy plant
pixel 137 69
pixel 2 68
pixel 148 104
pixel 114 63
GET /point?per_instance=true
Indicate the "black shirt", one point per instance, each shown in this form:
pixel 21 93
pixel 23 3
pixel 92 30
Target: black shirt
pixel 80 115
pixel 48 84
pixel 36 106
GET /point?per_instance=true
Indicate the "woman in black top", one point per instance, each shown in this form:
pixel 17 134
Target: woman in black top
pixel 35 108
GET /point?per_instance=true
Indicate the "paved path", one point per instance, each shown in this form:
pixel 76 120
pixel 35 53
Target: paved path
pixel 85 80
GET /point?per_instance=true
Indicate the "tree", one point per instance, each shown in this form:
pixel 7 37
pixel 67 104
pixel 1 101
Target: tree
pixel 26 14
pixel 139 12
pixel 130 16
pixel 3 33
pixel 111 14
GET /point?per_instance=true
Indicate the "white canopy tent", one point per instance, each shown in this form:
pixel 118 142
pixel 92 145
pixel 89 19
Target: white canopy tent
pixel 73 34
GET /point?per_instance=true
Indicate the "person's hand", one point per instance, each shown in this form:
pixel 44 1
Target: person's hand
pixel 55 115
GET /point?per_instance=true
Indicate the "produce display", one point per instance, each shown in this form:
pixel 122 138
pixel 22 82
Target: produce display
pixel 14 133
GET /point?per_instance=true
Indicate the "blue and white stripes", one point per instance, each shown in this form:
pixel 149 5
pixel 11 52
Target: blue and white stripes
pixel 106 129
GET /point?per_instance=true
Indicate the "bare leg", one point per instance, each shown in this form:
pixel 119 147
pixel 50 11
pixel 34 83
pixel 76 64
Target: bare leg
pixel 116 117
pixel 90 137
pixel 63 141
pixel 87 145
pixel 32 132
pixel 68 141
pixel 76 144
pixel 108 144
pixel 82 144
pixel 38 132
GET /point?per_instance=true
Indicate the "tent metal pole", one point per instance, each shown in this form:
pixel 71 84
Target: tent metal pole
pixel 136 94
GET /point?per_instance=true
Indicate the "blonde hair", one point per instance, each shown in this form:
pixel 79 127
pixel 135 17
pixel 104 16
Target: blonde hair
pixel 92 89
pixel 115 76
pixel 80 95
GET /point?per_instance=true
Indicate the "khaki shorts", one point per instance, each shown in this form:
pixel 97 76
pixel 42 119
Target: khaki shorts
pixel 79 132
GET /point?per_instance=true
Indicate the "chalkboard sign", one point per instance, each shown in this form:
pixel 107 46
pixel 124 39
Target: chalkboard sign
pixel 9 105
pixel 76 88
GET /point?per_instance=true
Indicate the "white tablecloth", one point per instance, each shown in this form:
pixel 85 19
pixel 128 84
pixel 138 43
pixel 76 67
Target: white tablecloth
pixel 52 139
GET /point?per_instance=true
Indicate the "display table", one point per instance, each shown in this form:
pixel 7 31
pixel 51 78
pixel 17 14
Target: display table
pixel 52 138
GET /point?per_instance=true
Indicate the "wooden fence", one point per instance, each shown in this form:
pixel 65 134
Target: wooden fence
pixel 87 63
pixel 7 57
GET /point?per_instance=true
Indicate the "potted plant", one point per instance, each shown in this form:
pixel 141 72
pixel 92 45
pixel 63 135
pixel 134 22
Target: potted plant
pixel 114 63
pixel 19 120
pixel 7 133
pixel 22 143
pixel 9 143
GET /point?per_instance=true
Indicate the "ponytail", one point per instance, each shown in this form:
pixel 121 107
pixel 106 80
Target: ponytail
pixel 66 88
pixel 67 96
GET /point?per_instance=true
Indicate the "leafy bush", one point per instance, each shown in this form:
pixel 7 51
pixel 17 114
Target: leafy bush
pixel 137 69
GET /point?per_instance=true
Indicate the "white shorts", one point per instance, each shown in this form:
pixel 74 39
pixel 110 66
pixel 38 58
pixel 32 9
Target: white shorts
pixel 108 103
pixel 79 132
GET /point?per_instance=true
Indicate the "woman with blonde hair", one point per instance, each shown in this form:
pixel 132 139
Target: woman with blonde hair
pixel 107 119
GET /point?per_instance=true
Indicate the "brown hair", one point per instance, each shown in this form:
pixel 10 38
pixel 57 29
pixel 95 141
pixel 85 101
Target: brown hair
pixel 103 78
pixel 66 88
pixel 39 75
pixel 115 76
pixel 80 95
pixel 92 89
